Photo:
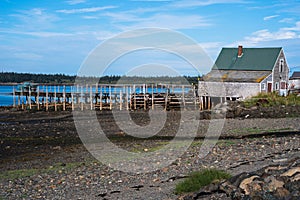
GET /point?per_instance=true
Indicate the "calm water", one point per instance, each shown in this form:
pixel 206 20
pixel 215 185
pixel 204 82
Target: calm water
pixel 7 100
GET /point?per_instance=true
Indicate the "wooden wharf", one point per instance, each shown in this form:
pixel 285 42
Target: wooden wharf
pixel 112 97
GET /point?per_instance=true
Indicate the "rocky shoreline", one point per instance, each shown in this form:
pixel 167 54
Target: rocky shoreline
pixel 48 144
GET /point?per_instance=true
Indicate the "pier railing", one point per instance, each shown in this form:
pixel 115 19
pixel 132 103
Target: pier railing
pixel 112 97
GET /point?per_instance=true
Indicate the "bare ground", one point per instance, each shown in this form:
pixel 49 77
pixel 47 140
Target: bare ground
pixel 48 143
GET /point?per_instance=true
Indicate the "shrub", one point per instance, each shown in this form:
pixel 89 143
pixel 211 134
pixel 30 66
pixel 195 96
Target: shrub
pixel 197 180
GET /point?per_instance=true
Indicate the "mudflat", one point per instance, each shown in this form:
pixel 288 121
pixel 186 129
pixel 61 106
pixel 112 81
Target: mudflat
pixel 42 155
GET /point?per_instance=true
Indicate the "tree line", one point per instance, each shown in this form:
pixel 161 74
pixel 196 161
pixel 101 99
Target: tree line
pixel 13 77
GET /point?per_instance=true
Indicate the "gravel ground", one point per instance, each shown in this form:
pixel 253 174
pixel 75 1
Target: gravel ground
pixel 48 144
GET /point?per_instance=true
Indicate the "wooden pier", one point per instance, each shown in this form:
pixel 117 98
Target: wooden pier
pixel 112 97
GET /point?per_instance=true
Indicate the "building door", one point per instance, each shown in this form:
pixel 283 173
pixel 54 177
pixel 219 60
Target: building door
pixel 269 87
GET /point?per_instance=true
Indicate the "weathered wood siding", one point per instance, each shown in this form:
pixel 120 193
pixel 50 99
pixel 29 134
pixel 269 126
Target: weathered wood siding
pixel 278 76
pixel 228 89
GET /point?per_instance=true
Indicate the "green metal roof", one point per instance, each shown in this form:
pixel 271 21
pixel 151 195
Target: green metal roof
pixel 253 59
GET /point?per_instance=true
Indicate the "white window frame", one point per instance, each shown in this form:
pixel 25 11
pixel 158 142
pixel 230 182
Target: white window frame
pixel 277 86
pixel 263 86
pixel 281 65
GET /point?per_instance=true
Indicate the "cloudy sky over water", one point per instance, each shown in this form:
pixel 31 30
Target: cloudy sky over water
pixel 56 36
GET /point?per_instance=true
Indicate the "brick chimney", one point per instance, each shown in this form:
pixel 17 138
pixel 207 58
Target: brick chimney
pixel 240 51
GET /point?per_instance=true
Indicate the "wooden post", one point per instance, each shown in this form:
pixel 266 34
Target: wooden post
pixel 64 98
pixel 145 101
pixel 126 100
pixel 195 97
pixel 91 96
pixel 183 100
pixel 166 97
pixel 55 104
pixel 38 99
pixel 46 100
pixel 100 97
pixel 134 98
pixel 72 100
pixel 121 98
pixel 152 99
pixel 96 88
pixel 29 98
pixel 110 98
pixel 81 97
pixel 130 97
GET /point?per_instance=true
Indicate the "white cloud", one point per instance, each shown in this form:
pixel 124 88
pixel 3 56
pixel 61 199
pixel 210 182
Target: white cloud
pixel 90 17
pixel 270 17
pixel 286 20
pixel 37 34
pixel 34 19
pixel 286 33
pixel 122 17
pixel 168 21
pixel 266 35
pixel 295 28
pixel 196 3
pixel 85 10
pixel 28 56
pixel 74 2
pixel 152 0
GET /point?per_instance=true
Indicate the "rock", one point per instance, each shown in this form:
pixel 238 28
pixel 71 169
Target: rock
pixel 280 181
pixel 281 192
pixel 296 178
pixel 291 172
pixel 57 148
pixel 280 160
pixel 244 185
pixel 274 184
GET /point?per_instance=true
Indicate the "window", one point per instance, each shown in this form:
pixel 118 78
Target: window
pixel 276 86
pixel 263 86
pixel 281 65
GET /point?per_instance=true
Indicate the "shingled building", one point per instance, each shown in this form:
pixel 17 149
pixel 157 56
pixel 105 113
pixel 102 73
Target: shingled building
pixel 244 72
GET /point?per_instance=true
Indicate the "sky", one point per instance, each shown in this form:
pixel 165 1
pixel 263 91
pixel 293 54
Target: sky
pixel 53 36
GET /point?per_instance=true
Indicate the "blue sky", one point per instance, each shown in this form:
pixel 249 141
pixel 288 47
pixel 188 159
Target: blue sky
pixel 56 36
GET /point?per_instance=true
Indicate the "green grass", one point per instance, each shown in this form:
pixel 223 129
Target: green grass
pixel 199 179
pixel 21 173
pixel 272 99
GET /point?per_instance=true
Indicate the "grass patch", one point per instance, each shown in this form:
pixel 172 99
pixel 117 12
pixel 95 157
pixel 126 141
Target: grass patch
pixel 199 179
pixel 272 99
pixel 21 173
